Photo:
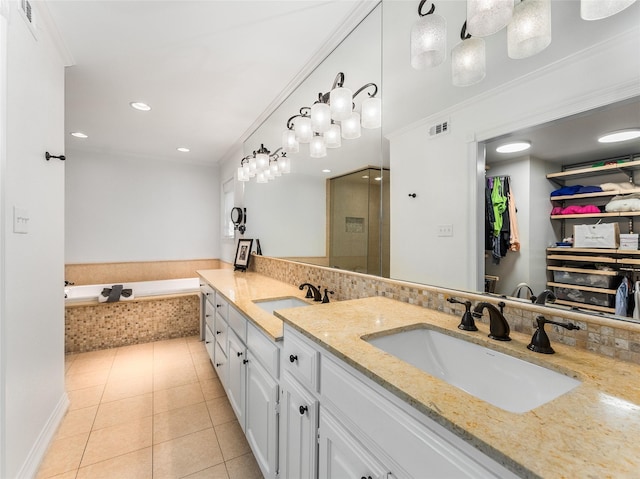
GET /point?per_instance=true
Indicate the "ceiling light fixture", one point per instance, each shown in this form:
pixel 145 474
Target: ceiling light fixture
pixel 264 165
pixel 529 31
pixel 514 147
pixel 468 60
pixel 486 17
pixel 182 149
pixel 79 134
pixel 599 9
pixel 428 39
pixel 620 135
pixel 331 118
pixel 138 105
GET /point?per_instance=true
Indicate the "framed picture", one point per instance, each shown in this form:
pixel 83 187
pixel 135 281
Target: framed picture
pixel 243 254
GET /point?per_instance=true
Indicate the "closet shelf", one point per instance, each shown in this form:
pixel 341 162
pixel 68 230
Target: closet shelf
pixel 598 194
pixel 583 270
pixel 593 307
pixel 594 215
pixel 584 259
pixel 585 172
pixel 582 287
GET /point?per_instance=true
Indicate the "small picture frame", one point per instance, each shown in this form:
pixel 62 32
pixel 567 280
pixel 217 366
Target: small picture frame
pixel 243 254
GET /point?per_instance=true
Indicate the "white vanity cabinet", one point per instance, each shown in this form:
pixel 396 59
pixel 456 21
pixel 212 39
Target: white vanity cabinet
pixel 237 378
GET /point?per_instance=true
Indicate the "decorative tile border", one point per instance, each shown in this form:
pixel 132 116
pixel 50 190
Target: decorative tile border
pixel 609 337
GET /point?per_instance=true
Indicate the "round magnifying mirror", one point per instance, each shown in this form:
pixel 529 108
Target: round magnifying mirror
pixel 236 216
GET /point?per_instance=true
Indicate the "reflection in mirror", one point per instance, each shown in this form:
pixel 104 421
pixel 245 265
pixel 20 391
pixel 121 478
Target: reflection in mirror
pixel 567 179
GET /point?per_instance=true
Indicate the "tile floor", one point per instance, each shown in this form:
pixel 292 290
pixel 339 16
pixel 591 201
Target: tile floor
pixel 153 411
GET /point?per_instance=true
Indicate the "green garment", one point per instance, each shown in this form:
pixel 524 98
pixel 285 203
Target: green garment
pixel 499 201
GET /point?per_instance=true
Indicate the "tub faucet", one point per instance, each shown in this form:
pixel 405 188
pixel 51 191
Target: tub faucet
pixel 540 341
pixel 542 298
pixel 498 326
pixel 312 291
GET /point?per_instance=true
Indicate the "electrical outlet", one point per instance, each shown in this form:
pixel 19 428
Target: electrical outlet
pixel 20 220
pixel 445 230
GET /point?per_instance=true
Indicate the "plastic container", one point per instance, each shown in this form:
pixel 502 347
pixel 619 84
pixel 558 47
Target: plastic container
pixel 586 279
pixel 585 297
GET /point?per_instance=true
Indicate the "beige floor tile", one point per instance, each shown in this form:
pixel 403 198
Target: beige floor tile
pixel 77 421
pixel 233 442
pixel 89 365
pixel 134 465
pixel 204 369
pixel 63 455
pixel 99 354
pixel 133 386
pixel 81 398
pixel 243 467
pixel 123 410
pixel 86 380
pixel 215 472
pixel 171 378
pixel 135 349
pixel 114 441
pixel 127 369
pixel 65 475
pixel 172 362
pixel 170 346
pixel 174 398
pixel 212 388
pixel 180 422
pixel 220 411
pixel 186 455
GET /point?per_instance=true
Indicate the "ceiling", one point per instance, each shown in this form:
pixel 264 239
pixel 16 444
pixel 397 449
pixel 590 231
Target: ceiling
pixel 211 70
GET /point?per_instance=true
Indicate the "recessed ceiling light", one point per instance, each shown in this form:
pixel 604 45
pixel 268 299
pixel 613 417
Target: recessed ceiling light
pixel 514 147
pixel 620 135
pixel 183 149
pixel 378 178
pixel 366 177
pixel 326 171
pixel 79 134
pixel 138 105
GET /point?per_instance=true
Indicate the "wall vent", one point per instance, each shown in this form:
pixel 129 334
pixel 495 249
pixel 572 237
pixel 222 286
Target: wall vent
pixel 29 14
pixel 439 128
pixel 26 9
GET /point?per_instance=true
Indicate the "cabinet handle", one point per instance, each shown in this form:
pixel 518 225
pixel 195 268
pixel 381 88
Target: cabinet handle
pixel 245 361
pixel 207 342
pixel 293 358
pixel 218 332
pixel 303 409
pixel 218 365
pixel 207 315
pixel 218 306
pixel 239 353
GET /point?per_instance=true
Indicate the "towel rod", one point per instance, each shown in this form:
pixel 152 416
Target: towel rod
pixel 48 156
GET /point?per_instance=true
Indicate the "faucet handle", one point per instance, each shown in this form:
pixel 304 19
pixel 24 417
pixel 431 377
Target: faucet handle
pixel 467 322
pixel 325 299
pixel 309 292
pixel 540 340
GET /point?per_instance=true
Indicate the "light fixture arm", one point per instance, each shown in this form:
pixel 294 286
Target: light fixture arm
pixel 463 33
pixel 431 10
pixel 262 150
pixel 305 111
pixel 371 95
pixel 338 81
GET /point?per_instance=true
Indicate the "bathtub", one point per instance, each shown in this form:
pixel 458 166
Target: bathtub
pixel 141 289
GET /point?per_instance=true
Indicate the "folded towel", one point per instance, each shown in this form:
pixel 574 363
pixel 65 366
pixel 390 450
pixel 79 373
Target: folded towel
pixel 566 190
pixel 625 185
pixel 589 189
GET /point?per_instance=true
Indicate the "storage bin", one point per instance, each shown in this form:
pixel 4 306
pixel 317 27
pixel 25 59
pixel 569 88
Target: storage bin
pixel 629 241
pixel 586 279
pixel 585 297
pixel 600 235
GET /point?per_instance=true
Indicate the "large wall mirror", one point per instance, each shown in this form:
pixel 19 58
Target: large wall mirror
pixel 435 182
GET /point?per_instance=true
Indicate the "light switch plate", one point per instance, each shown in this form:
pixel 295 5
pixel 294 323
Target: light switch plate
pixel 20 220
pixel 445 230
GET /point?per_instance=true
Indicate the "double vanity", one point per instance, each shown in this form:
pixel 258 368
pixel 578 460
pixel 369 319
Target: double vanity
pixel 378 388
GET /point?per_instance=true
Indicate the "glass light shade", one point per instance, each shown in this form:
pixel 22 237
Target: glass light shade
pixel 317 147
pixel 332 137
pixel 468 62
pixel 242 176
pixel 371 113
pixel 246 169
pixel 351 127
pixel 341 103
pixel 261 177
pixel 285 165
pixel 486 17
pixel 530 29
pixel 269 174
pixel 599 9
pixel 253 167
pixel 320 117
pixel 289 142
pixel 262 161
pixel 428 41
pixel 275 169
pixel 303 129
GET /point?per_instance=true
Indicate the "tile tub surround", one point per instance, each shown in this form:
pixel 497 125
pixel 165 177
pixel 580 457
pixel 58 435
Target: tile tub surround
pixel 94 326
pixel 604 336
pixel 590 431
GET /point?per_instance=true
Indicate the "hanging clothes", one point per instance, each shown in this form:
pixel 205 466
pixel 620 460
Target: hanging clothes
pixel 514 239
pixel 621 297
pixel 499 204
pixel 636 294
pixel 489 218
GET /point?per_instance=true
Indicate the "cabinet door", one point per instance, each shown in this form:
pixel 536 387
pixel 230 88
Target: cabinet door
pixel 236 381
pixel 209 342
pixel 298 430
pixel 262 417
pixel 220 364
pixel 342 456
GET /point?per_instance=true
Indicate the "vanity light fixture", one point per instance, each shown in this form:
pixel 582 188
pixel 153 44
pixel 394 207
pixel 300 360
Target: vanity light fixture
pixel 138 105
pixel 486 17
pixel 428 39
pixel 79 134
pixel 599 9
pixel 620 135
pixel 529 31
pixel 331 118
pixel 468 60
pixel 182 149
pixel 263 165
pixel 514 147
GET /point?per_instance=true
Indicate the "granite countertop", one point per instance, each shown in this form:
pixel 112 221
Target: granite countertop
pixel 591 431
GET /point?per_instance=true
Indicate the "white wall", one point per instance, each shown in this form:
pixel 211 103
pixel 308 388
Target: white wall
pixel 228 170
pixel 443 171
pixel 32 372
pixel 121 208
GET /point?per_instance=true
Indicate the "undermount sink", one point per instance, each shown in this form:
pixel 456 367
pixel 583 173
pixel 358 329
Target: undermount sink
pixel 270 305
pixel 502 380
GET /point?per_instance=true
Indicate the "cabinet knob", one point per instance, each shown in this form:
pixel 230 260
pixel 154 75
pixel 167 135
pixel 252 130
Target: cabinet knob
pixel 239 353
pixel 245 361
pixel 218 365
pixel 218 306
pixel 293 358
pixel 218 332
pixel 207 342
pixel 303 409
pixel 207 294
pixel 207 315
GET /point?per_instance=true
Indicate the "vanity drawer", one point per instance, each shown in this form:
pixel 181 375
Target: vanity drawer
pixel 222 306
pixel 209 314
pixel 208 292
pixel 238 323
pixel 264 349
pixel 221 331
pixel 301 359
